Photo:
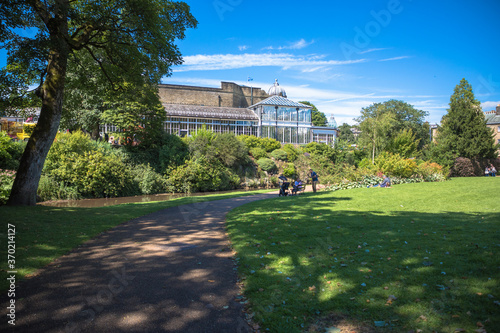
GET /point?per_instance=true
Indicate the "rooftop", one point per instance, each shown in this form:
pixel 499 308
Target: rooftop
pixel 281 101
pixel 201 111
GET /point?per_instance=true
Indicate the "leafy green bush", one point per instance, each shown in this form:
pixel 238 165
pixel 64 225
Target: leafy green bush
pixel 6 181
pixel 49 189
pixel 395 165
pixel 95 175
pixel 279 154
pixel 268 144
pixel 201 175
pixel 258 153
pixel 267 165
pixel 289 171
pixel 65 146
pixel 149 181
pixel 291 151
pixel 229 150
pixel 10 152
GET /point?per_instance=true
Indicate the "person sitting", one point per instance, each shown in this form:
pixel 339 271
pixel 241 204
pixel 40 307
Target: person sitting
pixel 297 186
pixel 493 171
pixel 385 183
pixel 487 171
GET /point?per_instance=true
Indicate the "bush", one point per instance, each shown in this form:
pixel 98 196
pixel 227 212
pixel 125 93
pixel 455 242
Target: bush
pixel 395 165
pixel 267 165
pixel 291 152
pixel 95 175
pixel 10 152
pixel 149 181
pixel 229 150
pixel 201 175
pixel 269 144
pixel 258 153
pixel 6 181
pixel 465 167
pixel 49 189
pixel 279 154
pixel 289 171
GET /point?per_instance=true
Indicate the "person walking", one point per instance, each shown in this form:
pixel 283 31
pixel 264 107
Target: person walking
pixel 314 178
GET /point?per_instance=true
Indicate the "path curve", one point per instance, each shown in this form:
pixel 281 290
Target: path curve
pixel 169 271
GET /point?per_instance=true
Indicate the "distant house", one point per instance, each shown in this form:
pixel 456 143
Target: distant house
pixel 493 122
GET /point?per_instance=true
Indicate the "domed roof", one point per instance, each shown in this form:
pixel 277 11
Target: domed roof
pixel 276 90
pixel 331 122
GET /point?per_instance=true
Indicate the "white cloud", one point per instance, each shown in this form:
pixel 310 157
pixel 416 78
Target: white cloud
pixel 203 62
pixel 243 47
pixel 373 50
pixel 300 44
pixel 489 105
pixel 395 58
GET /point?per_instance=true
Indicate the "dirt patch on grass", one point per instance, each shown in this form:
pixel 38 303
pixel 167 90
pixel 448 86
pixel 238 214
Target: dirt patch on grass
pixel 339 323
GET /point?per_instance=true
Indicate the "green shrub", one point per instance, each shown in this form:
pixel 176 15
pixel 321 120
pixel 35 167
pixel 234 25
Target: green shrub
pixel 149 181
pixel 10 152
pixel 291 152
pixel 229 150
pixel 395 165
pixel 258 153
pixel 95 175
pixel 267 165
pixel 6 181
pixel 49 189
pixel 279 154
pixel 250 141
pixel 269 144
pixel 201 175
pixel 66 145
pixel 289 171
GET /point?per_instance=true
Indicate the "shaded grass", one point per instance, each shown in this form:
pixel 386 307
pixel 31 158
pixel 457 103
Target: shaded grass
pixel 415 256
pixel 45 233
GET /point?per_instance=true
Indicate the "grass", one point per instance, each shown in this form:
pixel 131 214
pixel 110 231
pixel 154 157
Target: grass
pixel 45 233
pixel 413 257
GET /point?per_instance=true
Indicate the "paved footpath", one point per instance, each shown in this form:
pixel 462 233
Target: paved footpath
pixel 170 271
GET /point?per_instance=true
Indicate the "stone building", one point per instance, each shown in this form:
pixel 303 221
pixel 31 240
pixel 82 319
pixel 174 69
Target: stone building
pixel 493 122
pixel 240 110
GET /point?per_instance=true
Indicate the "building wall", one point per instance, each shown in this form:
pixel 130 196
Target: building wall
pixel 229 95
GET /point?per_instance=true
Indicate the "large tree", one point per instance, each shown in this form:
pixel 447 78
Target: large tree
pixel 346 134
pixel 405 115
pixel 131 41
pixel 376 130
pixel 463 130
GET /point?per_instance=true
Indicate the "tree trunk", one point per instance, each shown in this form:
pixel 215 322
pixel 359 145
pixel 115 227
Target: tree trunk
pixel 30 169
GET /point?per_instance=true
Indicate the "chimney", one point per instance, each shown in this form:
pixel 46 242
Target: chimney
pixel 498 109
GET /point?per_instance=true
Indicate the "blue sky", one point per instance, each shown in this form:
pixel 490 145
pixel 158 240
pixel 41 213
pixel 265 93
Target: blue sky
pixel 345 55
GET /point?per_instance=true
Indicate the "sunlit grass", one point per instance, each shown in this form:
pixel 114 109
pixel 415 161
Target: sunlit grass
pixel 416 256
pixel 45 233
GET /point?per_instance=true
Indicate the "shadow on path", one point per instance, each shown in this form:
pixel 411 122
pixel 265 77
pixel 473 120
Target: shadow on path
pixel 170 271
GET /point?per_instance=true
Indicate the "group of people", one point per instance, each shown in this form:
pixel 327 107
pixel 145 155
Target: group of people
pixel 490 171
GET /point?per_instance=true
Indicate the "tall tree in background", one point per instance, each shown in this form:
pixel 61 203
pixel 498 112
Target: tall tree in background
pixel 318 118
pixel 400 116
pixel 463 130
pixel 376 129
pixel 345 133
pixel 131 41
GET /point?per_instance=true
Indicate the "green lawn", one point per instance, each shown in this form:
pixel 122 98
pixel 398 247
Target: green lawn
pixel 45 233
pixel 412 257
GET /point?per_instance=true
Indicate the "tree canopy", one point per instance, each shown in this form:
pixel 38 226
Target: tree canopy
pixel 381 123
pixel 132 42
pixel 463 130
